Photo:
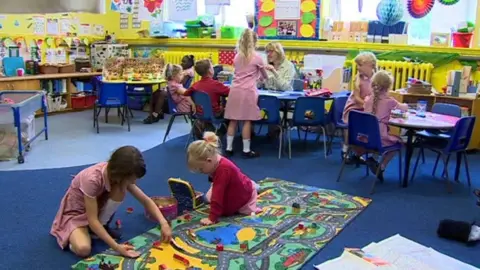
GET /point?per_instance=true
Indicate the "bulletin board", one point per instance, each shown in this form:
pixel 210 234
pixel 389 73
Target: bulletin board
pixel 287 19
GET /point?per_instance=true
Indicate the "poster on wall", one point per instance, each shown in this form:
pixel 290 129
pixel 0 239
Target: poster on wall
pixel 136 22
pixel 122 6
pixel 287 19
pixel 149 9
pixel 38 25
pixel 182 10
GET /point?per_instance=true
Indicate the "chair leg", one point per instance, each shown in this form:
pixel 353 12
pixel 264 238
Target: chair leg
pixel 96 119
pixel 436 164
pixel 446 166
pixel 400 166
pixel 343 166
pixel 185 117
pixel 121 114
pixel 324 141
pixel 131 112
pixel 467 171
pixel 423 155
pixel 107 110
pixel 445 172
pixel 415 167
pixel 190 135
pixel 94 113
pixel 289 137
pixel 128 118
pixel 170 123
pixel 372 190
pixel 280 143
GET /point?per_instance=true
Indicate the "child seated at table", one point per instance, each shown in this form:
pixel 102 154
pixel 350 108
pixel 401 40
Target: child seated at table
pixel 174 75
pixel 381 105
pixel 188 61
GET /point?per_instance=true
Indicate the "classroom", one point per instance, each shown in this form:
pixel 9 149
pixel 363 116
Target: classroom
pixel 240 134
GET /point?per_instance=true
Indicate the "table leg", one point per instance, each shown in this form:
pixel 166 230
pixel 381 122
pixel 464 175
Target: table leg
pixel 457 166
pixel 408 157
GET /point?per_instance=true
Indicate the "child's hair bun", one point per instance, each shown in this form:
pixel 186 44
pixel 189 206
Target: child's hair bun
pixel 211 138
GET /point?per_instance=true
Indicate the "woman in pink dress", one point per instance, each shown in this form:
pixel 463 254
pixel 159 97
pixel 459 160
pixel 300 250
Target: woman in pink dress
pixel 381 105
pixel 366 66
pixel 94 196
pixel 242 103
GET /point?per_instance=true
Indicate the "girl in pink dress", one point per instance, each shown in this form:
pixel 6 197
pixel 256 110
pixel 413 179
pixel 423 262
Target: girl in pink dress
pixel 174 75
pixel 95 195
pixel 381 105
pixel 242 103
pixel 366 66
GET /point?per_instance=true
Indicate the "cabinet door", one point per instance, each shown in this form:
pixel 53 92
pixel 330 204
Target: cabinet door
pixel 26 85
pixel 5 86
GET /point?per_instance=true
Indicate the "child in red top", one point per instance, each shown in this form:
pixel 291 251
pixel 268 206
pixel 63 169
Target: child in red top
pixel 232 191
pixel 215 89
pixel 174 75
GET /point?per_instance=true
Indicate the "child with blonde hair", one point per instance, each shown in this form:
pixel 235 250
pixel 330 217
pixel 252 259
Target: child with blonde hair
pixel 231 191
pixel 366 66
pixel 243 97
pixel 381 105
pixel 174 75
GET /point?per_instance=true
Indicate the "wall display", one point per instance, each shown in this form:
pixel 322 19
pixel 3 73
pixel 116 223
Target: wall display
pixel 287 19
pixel 419 8
pixel 390 12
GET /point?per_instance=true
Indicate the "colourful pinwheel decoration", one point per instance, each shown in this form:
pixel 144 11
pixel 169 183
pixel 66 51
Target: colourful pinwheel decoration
pixel 448 2
pixel 420 8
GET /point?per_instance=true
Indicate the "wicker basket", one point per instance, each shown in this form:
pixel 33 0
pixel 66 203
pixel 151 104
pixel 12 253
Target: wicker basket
pixel 67 68
pixel 167 205
pixel 420 89
pixel 49 69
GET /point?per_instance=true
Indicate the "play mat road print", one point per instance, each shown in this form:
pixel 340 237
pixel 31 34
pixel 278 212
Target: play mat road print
pixel 295 223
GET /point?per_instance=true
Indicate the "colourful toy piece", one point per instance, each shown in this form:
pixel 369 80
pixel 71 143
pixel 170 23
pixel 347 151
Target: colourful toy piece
pixel 301 226
pixel 118 223
pixel 130 210
pixel 244 246
pixel 316 195
pixel 191 234
pixel 186 196
pixel 219 247
pixel 181 259
pixel 162 267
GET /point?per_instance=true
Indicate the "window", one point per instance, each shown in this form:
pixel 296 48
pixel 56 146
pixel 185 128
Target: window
pixel 349 10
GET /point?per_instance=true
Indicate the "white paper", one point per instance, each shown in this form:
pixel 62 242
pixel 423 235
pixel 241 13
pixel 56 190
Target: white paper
pixel 38 24
pixel 136 21
pixel 98 30
pixel 60 56
pixel 182 10
pixel 52 27
pixel 65 26
pixel 217 2
pixel 124 21
pixel 287 9
pixel 85 29
pixel 50 56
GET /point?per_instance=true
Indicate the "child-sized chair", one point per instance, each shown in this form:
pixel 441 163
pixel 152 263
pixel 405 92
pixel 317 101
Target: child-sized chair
pixel 364 134
pixel 314 107
pixel 270 105
pixel 172 107
pixel 456 144
pixel 337 113
pixel 187 198
pixel 111 95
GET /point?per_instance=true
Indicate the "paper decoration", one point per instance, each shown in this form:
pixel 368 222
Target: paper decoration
pixel 448 2
pixel 38 25
pixel 360 6
pixel 287 19
pixel 66 26
pixel 122 6
pixel 217 2
pixel 225 57
pixel 124 20
pixel 52 27
pixel 182 10
pixel 98 30
pixel 390 12
pixel 136 21
pixel 149 9
pixel 419 8
pixel 85 29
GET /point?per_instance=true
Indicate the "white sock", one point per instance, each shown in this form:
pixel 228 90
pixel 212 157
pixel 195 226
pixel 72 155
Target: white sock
pixel 474 233
pixel 229 143
pixel 108 210
pixel 344 148
pixel 246 146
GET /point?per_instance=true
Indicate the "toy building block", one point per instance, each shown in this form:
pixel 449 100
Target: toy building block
pixel 314 225
pixel 181 259
pixel 296 205
pixel 130 210
pixel 244 246
pixel 162 267
pixel 118 224
pixel 219 247
pixel 191 234
pixel 315 194
pixel 301 226
pixel 187 217
pixel 186 196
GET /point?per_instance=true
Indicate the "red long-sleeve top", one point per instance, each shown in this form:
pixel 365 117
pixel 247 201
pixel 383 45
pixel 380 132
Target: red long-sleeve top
pixel 213 88
pixel 231 190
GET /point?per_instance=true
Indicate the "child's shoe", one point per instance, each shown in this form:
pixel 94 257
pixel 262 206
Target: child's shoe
pixel 373 165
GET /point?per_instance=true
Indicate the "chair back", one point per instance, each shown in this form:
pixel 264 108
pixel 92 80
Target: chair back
pixel 309 111
pixel 447 109
pixel 297 85
pixel 112 94
pixel 203 103
pixel 188 82
pixel 96 83
pixel 338 106
pixel 364 131
pixel 216 70
pixel 172 106
pixel 461 135
pixel 270 106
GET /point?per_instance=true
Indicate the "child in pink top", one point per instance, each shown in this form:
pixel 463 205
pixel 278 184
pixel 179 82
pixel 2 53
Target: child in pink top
pixel 94 196
pixel 232 191
pixel 242 103
pixel 174 75
pixel 381 105
pixel 367 66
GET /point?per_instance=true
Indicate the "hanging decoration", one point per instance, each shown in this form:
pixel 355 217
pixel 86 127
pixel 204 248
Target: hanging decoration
pixel 360 6
pixel 419 8
pixel 448 2
pixel 390 12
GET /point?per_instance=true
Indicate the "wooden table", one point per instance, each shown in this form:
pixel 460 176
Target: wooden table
pixel 414 123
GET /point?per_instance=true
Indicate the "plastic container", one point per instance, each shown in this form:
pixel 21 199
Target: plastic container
pixel 462 40
pixel 199 32
pixel 78 102
pixel 421 108
pixel 230 32
pixel 167 205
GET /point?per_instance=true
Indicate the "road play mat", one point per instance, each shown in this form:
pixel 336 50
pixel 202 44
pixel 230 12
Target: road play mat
pixel 295 223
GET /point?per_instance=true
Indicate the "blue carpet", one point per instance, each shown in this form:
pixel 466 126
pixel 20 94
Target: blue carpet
pixel 30 200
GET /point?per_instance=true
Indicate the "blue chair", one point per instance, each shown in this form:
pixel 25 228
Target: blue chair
pixel 216 70
pixel 111 95
pixel 188 82
pixel 172 107
pixel 204 113
pixel 297 85
pixel 438 108
pixel 315 107
pixel 456 144
pixel 337 115
pixel 270 105
pixel 364 133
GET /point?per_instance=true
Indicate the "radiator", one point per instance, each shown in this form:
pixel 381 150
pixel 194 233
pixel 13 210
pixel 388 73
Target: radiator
pixel 173 57
pixel 401 71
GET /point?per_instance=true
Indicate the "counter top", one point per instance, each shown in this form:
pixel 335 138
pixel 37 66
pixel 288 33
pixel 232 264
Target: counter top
pixel 50 76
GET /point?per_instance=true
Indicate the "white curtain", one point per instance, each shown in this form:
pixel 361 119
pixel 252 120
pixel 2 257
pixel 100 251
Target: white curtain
pixel 51 6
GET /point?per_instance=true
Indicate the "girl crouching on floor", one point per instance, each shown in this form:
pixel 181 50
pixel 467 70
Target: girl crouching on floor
pixel 232 191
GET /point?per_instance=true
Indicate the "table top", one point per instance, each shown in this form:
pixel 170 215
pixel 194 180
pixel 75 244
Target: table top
pixel 430 121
